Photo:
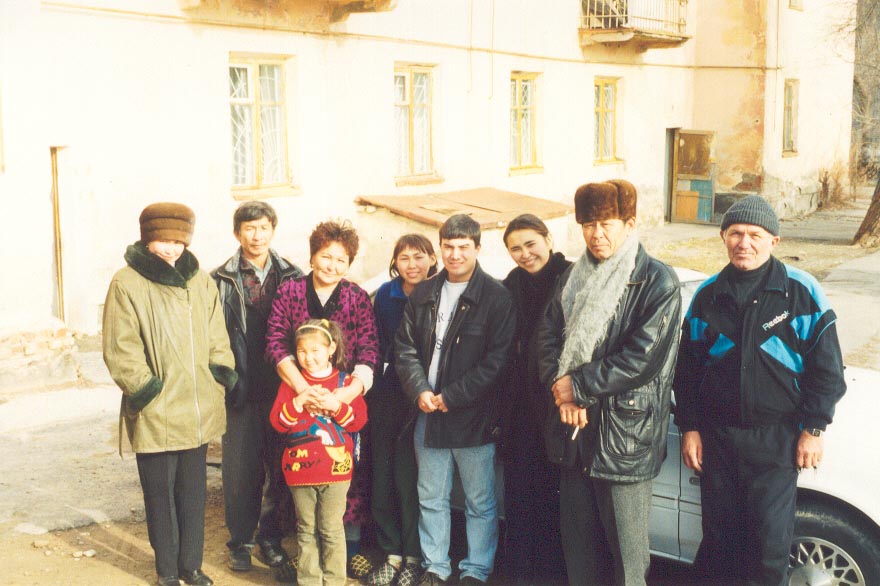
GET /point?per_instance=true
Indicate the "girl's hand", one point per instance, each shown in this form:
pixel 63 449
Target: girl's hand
pixel 305 399
pixel 328 403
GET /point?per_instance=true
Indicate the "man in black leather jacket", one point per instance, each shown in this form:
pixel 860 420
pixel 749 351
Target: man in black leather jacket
pixel 608 344
pixel 254 491
pixel 451 348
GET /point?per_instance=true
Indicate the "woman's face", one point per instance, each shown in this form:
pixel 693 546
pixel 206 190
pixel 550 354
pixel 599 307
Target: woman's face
pixel 330 264
pixel 529 249
pixel 167 250
pixel 413 265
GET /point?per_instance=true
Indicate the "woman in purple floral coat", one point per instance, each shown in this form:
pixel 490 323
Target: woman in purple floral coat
pixel 325 294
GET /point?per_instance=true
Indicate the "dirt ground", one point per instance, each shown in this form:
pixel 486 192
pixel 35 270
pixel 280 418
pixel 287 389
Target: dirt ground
pixel 121 555
pixel 707 254
pixel 118 553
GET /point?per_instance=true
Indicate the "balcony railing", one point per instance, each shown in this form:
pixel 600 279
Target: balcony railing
pixel 654 22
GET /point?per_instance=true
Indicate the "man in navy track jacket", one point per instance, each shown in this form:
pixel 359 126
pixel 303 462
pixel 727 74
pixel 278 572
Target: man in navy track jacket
pixel 758 375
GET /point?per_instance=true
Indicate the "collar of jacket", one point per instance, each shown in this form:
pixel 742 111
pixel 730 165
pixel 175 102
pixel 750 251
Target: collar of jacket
pixel 153 268
pixel 777 279
pixel 473 292
pixel 229 269
pixel 640 271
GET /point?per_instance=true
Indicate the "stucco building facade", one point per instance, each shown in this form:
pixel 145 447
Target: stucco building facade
pixel 107 106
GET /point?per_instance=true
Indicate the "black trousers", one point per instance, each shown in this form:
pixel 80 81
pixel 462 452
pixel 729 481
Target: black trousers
pixel 395 502
pixel 749 489
pixel 174 485
pixel 532 543
pixel 255 494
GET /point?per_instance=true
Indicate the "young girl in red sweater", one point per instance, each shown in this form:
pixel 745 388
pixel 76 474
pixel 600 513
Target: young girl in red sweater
pixel 318 458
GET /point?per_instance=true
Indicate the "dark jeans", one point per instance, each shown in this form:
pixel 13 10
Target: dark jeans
pixel 255 493
pixel 532 545
pixel 174 485
pixel 748 489
pixel 395 503
pixel 604 530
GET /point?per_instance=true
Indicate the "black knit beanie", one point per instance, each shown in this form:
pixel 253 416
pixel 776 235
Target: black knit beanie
pixel 753 210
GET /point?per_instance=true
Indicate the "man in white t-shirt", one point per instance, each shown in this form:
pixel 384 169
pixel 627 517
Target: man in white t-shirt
pixel 452 345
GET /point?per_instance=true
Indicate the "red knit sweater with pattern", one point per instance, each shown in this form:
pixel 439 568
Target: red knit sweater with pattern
pixel 318 448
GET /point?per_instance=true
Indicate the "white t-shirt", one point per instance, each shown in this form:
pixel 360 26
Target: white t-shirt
pixel 449 296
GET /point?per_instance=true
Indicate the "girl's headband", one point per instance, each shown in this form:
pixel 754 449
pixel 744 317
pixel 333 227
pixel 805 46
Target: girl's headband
pixel 320 328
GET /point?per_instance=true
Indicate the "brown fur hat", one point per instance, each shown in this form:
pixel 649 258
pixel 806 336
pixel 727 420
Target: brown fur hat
pixel 614 199
pixel 167 221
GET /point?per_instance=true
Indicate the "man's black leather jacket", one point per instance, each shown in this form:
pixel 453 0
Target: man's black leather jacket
pixel 476 349
pixel 627 385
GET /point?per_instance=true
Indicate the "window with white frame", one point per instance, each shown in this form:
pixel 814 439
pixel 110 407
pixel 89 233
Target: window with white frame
pixel 789 116
pixel 523 120
pixel 605 119
pixel 259 130
pixel 413 97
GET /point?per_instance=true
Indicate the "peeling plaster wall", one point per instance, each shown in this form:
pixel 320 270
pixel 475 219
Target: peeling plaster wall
pixel 729 89
pixel 732 104
pixel 312 15
pixel 731 33
pixel 744 53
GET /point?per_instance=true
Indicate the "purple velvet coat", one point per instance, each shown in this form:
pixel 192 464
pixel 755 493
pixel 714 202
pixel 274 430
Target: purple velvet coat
pixel 354 314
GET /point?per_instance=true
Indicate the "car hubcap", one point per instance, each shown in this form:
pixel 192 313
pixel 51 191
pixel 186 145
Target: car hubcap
pixel 816 562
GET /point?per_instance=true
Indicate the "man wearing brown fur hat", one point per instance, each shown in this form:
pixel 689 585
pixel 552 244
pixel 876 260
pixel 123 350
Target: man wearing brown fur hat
pixel 609 339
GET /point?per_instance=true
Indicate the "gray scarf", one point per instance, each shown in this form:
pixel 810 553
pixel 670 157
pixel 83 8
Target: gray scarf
pixel 590 299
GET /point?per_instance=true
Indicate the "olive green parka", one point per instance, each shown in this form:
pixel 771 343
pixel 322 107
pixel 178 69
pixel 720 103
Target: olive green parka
pixel 166 346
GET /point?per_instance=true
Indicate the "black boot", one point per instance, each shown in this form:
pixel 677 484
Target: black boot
pixel 196 578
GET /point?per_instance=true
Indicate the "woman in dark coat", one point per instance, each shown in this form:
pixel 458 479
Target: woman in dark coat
pixel 532 544
pixel 394 459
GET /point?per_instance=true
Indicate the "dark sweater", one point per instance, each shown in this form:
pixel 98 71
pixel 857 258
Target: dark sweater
pixel 522 417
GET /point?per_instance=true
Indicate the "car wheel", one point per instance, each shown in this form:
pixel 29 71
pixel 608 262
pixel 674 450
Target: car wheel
pixel 832 550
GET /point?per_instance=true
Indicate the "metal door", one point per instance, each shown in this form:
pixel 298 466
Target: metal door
pixel 692 193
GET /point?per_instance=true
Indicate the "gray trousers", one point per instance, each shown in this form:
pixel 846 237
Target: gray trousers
pixel 604 528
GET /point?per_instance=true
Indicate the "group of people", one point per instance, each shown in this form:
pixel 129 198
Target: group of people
pixel 564 371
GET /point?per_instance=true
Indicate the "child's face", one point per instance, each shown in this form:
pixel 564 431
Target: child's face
pixel 313 352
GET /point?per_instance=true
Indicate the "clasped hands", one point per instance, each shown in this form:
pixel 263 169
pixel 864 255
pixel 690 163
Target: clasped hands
pixel 317 401
pixel 429 402
pixel 569 411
